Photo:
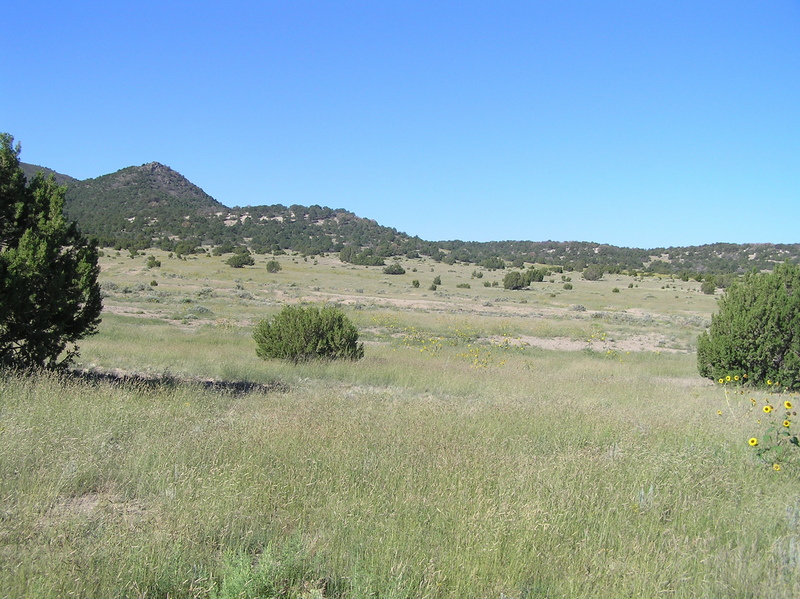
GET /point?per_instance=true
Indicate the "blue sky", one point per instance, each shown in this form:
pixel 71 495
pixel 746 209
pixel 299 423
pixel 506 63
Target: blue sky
pixel 635 123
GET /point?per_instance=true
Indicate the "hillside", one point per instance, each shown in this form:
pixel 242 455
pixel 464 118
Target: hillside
pixel 152 205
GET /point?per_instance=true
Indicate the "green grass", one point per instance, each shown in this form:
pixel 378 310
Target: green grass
pixel 413 473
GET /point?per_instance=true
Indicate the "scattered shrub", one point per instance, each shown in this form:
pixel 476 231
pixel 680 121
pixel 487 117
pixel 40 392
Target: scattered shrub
pixel 568 286
pixel 464 286
pixel 513 280
pixel 415 283
pixel 273 266
pixel 437 280
pixel 593 272
pixel 152 262
pixel 305 333
pixel 394 269
pixel 240 260
pixel 615 290
pixel 708 287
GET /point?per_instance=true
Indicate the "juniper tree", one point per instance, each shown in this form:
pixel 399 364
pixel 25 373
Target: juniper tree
pixel 49 294
pixel 756 330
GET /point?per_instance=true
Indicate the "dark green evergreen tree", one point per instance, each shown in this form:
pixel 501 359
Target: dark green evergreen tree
pixel 756 330
pixel 49 294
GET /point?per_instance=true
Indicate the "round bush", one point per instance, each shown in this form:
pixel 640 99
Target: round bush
pixel 757 330
pixel 299 334
pixel 394 269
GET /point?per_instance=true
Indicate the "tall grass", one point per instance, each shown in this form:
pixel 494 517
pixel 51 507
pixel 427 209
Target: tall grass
pixel 352 490
pixel 443 464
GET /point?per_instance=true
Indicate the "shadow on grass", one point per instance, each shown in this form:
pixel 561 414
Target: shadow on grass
pixel 167 381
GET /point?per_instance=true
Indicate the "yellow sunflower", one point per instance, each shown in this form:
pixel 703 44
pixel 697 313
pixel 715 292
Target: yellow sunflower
pixel 767 409
pixel 753 442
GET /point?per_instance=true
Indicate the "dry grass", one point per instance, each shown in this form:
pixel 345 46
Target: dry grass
pixel 415 472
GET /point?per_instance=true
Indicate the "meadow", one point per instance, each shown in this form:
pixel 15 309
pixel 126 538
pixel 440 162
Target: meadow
pixel 545 442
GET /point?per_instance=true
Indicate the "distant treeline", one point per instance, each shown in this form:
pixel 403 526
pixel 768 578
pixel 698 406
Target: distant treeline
pixel 153 206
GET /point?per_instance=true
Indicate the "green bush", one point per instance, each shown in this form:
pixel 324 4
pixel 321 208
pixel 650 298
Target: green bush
pixel 513 280
pixel 240 260
pixel 593 272
pixel 300 333
pixel 437 280
pixel 708 287
pixel 394 269
pixel 568 286
pixel 415 283
pixel 756 330
pixel 533 275
pixel 273 266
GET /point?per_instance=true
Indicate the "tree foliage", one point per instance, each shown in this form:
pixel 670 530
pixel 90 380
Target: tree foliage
pixel 756 330
pixel 394 269
pixel 593 272
pixel 49 294
pixel 299 334
pixel 241 259
pixel 513 280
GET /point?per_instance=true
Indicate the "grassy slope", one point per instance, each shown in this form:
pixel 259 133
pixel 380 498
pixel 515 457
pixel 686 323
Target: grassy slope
pixel 448 463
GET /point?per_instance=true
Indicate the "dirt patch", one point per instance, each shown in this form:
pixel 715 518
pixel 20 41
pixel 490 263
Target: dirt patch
pixel 637 343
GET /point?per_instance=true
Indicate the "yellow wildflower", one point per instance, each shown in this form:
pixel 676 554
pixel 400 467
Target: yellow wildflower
pixel 776 467
pixel 767 409
pixel 728 378
pixel 787 423
pixel 787 404
pixel 721 381
pixel 753 442
pixel 736 378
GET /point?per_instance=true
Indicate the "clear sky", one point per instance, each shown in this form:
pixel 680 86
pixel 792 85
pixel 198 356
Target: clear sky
pixel 631 122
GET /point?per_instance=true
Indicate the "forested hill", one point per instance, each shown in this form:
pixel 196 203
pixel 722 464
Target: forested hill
pixel 146 206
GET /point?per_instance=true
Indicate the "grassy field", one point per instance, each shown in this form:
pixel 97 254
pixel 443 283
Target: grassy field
pixel 492 443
